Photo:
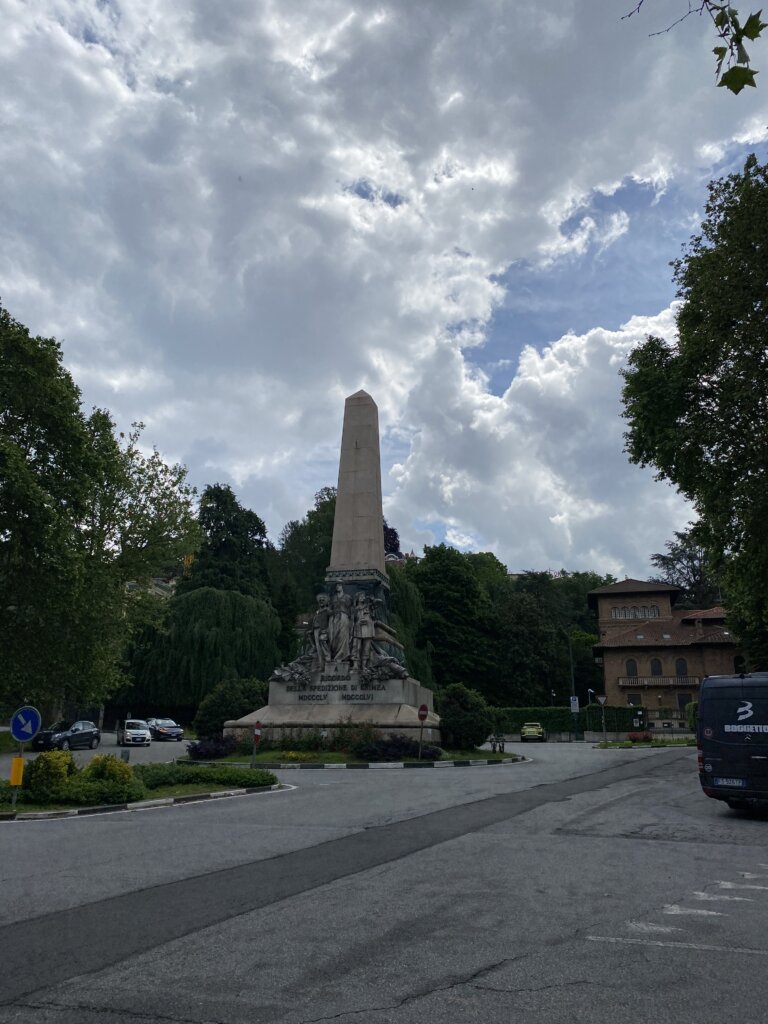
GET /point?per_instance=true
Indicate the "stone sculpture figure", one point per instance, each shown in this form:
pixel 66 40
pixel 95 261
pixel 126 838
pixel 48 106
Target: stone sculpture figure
pixel 339 633
pixel 320 622
pixel 363 629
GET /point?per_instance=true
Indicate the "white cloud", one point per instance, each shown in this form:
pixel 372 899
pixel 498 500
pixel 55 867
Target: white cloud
pixel 234 215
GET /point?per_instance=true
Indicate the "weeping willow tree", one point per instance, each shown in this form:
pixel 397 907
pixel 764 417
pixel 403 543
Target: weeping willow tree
pixel 407 615
pixel 210 635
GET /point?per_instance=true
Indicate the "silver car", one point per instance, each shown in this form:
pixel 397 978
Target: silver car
pixel 133 732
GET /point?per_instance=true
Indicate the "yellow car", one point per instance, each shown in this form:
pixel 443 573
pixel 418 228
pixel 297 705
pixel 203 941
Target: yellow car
pixel 533 731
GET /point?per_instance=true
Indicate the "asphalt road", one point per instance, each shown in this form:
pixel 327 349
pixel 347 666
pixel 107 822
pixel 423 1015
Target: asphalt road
pixel 586 886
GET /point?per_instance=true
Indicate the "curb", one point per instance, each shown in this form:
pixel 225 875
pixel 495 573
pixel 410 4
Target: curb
pixel 379 765
pixel 139 805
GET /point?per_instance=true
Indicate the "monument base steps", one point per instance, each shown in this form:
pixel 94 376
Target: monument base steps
pixel 277 720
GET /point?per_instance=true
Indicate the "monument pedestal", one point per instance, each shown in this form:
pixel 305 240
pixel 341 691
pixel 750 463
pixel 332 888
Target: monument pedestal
pixel 331 698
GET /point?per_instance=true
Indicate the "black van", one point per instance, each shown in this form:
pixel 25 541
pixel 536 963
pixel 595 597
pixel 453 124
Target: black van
pixel 732 732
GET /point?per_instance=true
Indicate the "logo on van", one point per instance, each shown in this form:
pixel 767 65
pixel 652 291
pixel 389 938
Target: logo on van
pixel 745 711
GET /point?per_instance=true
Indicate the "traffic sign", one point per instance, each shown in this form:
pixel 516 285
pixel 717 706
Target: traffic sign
pixel 601 698
pixel 257 732
pixel 574 704
pixel 25 724
pixel 423 712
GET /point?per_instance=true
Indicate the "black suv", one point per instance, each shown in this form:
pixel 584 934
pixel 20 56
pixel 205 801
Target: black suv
pixel 67 736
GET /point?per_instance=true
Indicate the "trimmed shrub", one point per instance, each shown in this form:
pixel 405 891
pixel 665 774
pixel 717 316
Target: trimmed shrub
pixel 46 778
pixel 106 779
pixel 395 748
pixel 155 776
pixel 212 749
pixel 639 737
pixel 6 791
pixel 158 775
pixel 465 719
pixel 229 701
pixel 91 791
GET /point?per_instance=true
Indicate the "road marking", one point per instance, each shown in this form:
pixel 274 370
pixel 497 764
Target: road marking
pixel 722 896
pixel 673 908
pixel 750 874
pixel 676 945
pixel 644 926
pixel 741 885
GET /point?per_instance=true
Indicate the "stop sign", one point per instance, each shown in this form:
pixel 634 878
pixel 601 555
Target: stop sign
pixel 423 712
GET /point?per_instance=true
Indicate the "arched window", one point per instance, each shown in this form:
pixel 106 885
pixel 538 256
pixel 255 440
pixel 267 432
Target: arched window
pixel 655 667
pixel 644 612
pixel 681 667
pixel 615 613
pixel 654 611
pixel 625 613
pixel 635 613
pixel 631 667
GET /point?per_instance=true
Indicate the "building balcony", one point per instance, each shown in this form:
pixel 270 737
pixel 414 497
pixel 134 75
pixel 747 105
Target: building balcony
pixel 669 682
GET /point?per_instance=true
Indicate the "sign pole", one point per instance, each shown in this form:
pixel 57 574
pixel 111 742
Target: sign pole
pixel 423 712
pixel 256 741
pixel 602 698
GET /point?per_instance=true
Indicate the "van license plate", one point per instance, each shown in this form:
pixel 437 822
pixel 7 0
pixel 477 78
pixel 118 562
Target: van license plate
pixel 735 783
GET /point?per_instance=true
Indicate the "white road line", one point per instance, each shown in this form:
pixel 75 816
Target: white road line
pixel 645 926
pixel 673 908
pixel 721 896
pixel 676 945
pixel 750 874
pixel 741 885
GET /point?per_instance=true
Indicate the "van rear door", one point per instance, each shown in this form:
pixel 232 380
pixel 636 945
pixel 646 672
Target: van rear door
pixel 733 736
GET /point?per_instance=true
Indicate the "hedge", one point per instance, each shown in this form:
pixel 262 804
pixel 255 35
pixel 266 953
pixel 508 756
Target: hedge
pixel 559 719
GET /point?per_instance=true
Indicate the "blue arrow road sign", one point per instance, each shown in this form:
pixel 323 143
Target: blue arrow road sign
pixel 25 724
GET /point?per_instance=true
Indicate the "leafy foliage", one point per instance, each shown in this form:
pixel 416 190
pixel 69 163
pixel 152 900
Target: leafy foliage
pixel 730 52
pixel 698 411
pixel 465 718
pixel 228 701
pixel 231 555
pixel 687 565
pixel 82 512
pixel 46 777
pixel 211 635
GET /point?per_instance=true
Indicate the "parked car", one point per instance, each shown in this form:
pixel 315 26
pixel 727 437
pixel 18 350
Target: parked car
pixel 165 729
pixel 532 731
pixel 133 732
pixel 67 736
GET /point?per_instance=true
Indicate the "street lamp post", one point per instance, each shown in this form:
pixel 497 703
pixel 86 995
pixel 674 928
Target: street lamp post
pixel 590 695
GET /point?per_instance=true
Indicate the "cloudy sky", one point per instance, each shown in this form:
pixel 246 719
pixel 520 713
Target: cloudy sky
pixel 234 214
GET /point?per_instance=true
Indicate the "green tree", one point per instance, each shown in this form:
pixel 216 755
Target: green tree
pixel 305 548
pixel 686 564
pixel 465 718
pixel 81 513
pixel 232 552
pixel 698 409
pixel 210 636
pixel 456 615
pixel 732 33
pixel 230 700
pixel 407 619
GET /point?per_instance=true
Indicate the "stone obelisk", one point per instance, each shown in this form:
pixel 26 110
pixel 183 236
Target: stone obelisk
pixel 352 665
pixel 357 550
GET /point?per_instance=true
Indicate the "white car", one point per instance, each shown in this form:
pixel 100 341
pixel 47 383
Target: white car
pixel 133 732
